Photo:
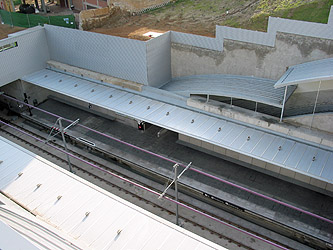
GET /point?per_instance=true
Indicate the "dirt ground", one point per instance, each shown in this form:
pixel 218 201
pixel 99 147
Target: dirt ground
pixel 198 17
pixel 194 18
pixel 7 29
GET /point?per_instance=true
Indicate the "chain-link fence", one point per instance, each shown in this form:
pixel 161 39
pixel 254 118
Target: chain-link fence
pixel 31 20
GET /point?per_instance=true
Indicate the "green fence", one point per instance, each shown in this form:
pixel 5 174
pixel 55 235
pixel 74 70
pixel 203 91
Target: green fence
pixel 31 20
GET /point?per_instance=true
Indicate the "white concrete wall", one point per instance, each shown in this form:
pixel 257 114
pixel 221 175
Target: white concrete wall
pixel 29 56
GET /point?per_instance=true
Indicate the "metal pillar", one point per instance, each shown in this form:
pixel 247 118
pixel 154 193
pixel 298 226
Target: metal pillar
pixel 175 180
pixel 207 100
pixel 65 145
pixel 284 102
pixel 62 131
pixel 315 105
pixel 11 19
pixel 176 190
pixel 28 20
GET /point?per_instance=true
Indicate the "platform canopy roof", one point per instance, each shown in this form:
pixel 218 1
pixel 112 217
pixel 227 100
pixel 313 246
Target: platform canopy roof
pixel 87 216
pixel 255 89
pixel 311 159
pixel 307 72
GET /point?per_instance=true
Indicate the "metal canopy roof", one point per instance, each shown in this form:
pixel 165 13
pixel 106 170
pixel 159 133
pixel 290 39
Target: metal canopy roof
pixel 107 213
pixel 244 87
pixel 307 72
pixel 11 239
pixel 280 150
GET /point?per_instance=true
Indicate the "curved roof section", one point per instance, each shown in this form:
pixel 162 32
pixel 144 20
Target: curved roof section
pixel 307 72
pixel 244 87
pixel 278 149
pixel 86 213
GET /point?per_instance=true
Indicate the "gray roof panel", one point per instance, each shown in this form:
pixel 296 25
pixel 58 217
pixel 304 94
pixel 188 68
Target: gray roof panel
pixel 132 103
pixel 284 151
pixel 256 136
pixel 305 163
pixel 235 132
pixel 147 108
pixel 273 148
pixel 296 155
pixel 241 138
pixel 244 87
pixel 204 127
pixel 327 172
pixel 262 145
pixel 188 121
pixel 307 72
pixel 213 129
pixel 198 125
pixel 179 119
pixel 221 134
pixel 318 164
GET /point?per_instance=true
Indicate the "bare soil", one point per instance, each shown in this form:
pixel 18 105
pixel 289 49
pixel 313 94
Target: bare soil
pixel 7 29
pixel 195 18
pixel 198 17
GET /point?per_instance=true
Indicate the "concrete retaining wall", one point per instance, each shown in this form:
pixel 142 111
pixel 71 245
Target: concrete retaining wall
pixel 246 52
pixel 322 121
pixel 240 58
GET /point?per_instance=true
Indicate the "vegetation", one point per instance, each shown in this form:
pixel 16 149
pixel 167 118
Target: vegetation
pixel 201 16
pixel 17 2
pixel 232 12
pixel 311 11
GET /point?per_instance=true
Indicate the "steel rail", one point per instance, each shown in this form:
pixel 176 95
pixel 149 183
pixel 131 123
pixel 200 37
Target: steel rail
pixel 149 190
pixel 175 162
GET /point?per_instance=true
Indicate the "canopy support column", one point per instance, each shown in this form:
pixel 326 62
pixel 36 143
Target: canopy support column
pixel 315 105
pixel 207 100
pixel 284 102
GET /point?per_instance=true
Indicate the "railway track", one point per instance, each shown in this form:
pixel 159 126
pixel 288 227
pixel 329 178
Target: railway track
pixel 101 178
pixel 148 174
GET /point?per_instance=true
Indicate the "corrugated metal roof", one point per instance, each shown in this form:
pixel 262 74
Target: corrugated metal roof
pixel 244 87
pixel 307 72
pixel 107 213
pixel 279 150
pixel 10 239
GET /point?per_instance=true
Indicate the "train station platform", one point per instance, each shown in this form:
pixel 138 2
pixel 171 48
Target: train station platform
pixel 278 153
pixel 167 145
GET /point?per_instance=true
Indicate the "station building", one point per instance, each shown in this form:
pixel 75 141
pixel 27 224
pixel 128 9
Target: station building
pixel 260 99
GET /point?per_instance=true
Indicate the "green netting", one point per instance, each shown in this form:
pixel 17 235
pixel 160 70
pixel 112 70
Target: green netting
pixel 20 20
pixel 5 17
pixel 31 20
pixel 37 20
pixel 64 21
